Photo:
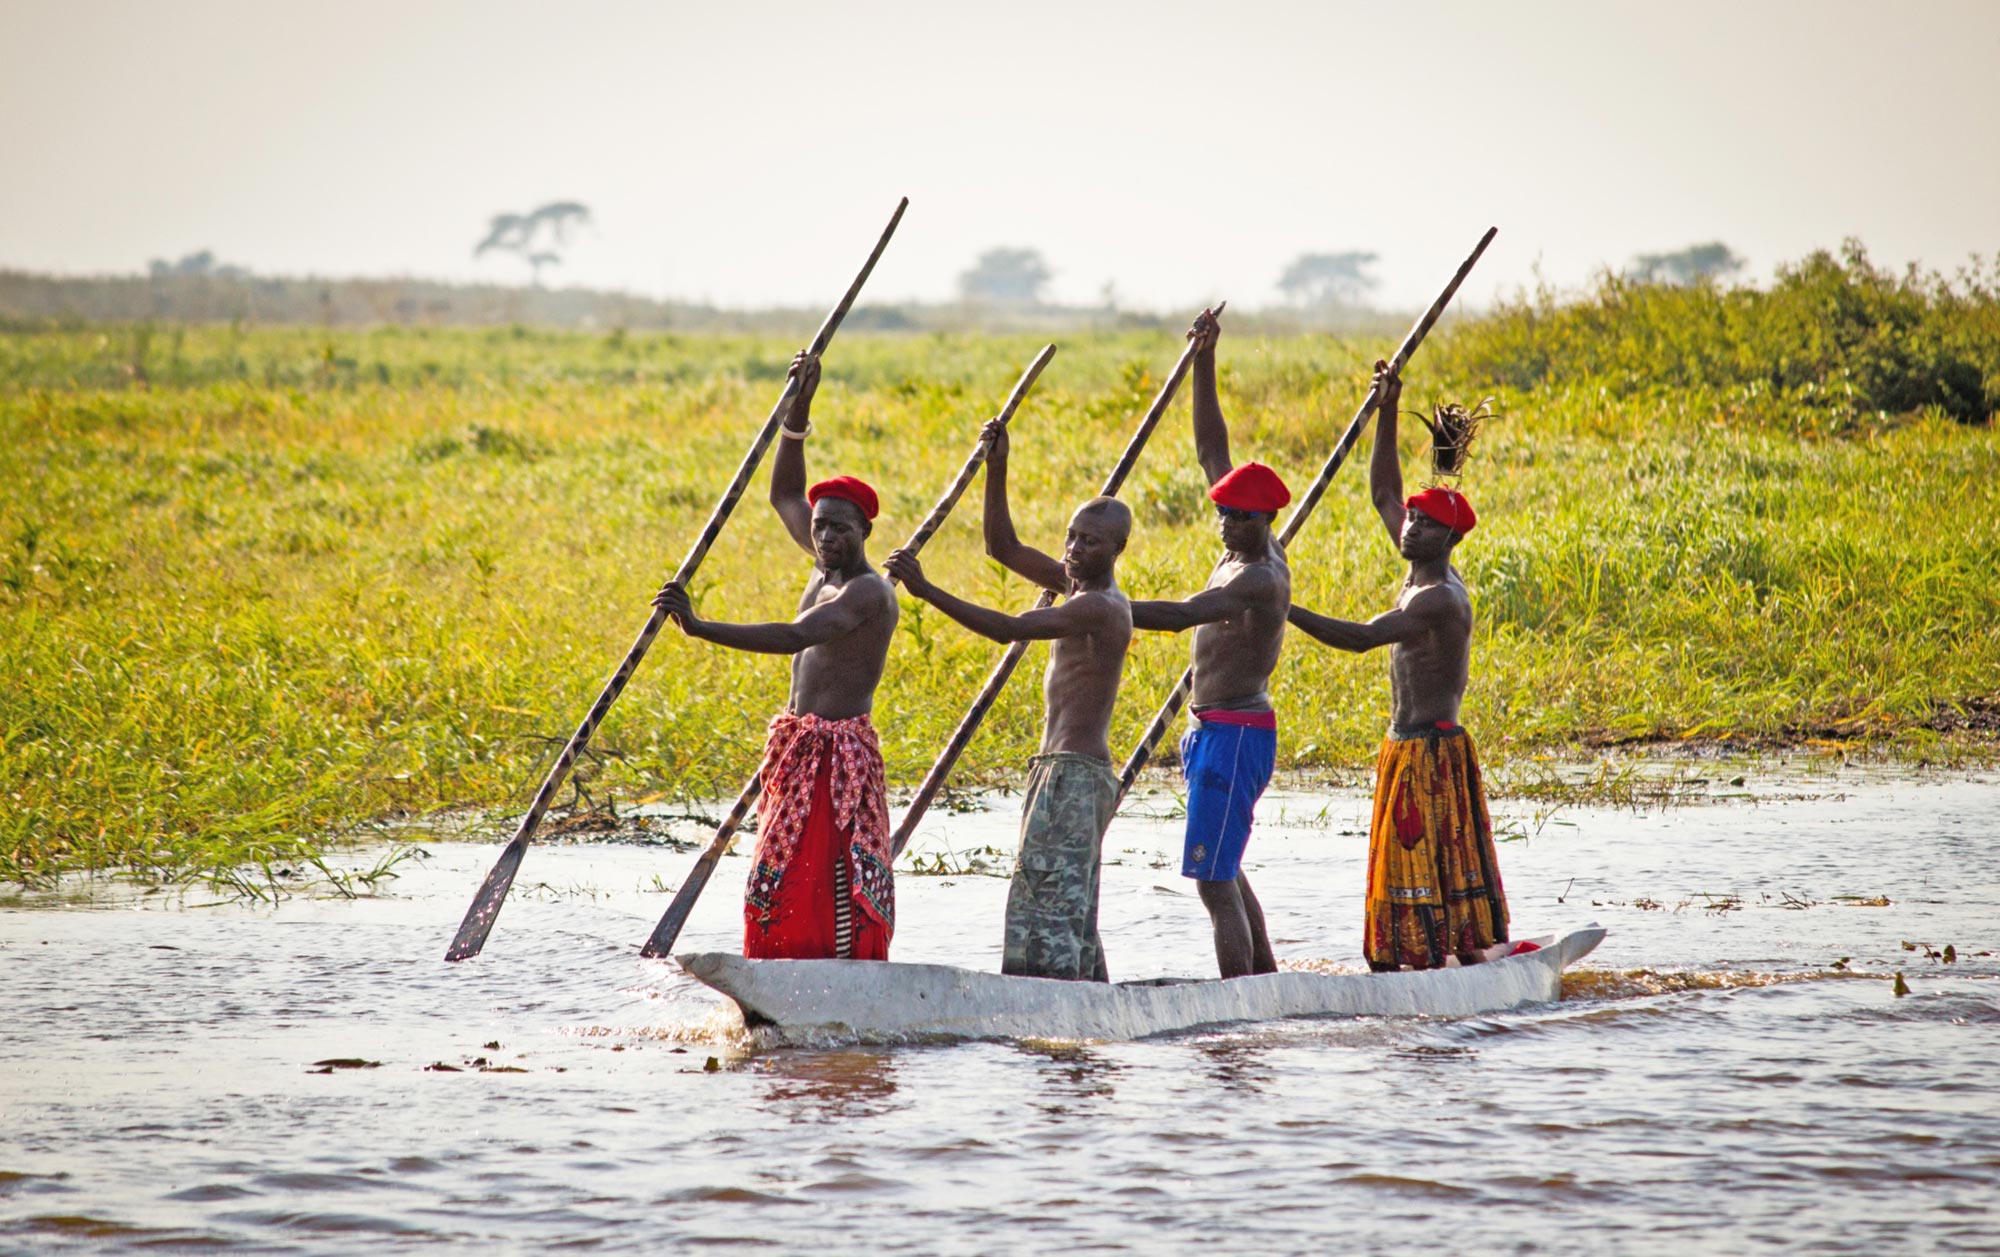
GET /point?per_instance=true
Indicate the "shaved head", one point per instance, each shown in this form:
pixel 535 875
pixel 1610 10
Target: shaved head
pixel 1110 513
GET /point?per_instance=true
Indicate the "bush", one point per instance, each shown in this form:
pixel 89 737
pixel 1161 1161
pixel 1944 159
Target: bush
pixel 1834 343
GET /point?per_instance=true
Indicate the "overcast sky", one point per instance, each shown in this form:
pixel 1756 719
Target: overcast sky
pixel 748 153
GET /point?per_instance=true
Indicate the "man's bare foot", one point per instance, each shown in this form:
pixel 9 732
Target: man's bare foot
pixel 1480 957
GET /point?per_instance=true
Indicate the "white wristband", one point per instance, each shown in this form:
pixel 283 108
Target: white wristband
pixel 790 435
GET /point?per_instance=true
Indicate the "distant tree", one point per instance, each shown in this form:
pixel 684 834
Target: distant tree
pixel 1714 260
pixel 1012 276
pixel 1329 279
pixel 537 237
pixel 202 263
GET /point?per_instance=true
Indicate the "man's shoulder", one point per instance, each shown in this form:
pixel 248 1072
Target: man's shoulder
pixel 1267 576
pixel 878 586
pixel 1112 601
pixel 868 586
pixel 1444 598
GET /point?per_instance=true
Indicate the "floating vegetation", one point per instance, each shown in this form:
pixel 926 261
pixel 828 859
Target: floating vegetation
pixel 985 861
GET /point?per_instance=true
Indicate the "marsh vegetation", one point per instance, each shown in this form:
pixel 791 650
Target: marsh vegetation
pixel 258 586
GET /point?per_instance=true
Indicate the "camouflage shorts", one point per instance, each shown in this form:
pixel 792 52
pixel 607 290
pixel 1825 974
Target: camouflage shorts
pixel 1052 904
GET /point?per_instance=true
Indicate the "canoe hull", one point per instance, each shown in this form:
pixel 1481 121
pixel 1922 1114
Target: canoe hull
pixel 807 1000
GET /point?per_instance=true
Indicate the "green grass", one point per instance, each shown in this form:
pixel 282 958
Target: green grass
pixel 258 587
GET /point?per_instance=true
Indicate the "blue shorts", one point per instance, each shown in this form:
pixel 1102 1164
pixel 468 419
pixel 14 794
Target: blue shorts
pixel 1227 767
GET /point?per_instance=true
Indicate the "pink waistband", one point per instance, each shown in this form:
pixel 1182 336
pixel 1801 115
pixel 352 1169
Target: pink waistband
pixel 1250 719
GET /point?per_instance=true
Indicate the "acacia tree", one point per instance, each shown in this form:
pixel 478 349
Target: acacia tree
pixel 1692 265
pixel 537 237
pixel 1329 279
pixel 1010 276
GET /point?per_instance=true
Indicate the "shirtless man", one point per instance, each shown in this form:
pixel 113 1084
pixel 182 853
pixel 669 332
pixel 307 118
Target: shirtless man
pixel 1434 894
pixel 1071 792
pixel 1239 624
pixel 820 884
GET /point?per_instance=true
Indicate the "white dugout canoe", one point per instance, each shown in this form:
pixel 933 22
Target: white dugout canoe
pixel 876 1000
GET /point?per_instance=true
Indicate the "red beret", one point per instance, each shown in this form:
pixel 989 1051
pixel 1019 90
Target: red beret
pixel 1447 506
pixel 848 489
pixel 1251 487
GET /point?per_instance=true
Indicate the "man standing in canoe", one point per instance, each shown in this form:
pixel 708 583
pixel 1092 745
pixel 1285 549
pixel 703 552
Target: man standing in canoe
pixel 820 883
pixel 1052 904
pixel 1434 892
pixel 1239 625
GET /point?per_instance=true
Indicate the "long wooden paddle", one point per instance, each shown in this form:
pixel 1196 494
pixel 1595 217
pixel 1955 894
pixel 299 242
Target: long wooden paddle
pixel 1164 718
pixel 485 907
pixel 997 679
pixel 661 942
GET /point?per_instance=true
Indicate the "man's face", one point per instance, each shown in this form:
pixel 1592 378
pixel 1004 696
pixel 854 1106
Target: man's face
pixel 839 530
pixel 1424 538
pixel 1243 531
pixel 1091 547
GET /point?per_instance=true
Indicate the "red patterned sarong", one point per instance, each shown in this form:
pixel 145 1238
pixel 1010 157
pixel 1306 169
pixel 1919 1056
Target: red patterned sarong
pixel 820 885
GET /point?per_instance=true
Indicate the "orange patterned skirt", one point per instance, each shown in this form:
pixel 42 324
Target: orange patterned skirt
pixel 1433 883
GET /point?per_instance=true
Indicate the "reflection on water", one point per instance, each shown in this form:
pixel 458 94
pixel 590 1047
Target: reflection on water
pixel 827 1086
pixel 1734 1072
pixel 1236 1067
pixel 1074 1077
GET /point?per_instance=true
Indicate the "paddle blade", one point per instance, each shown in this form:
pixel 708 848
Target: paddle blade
pixel 669 929
pixel 662 941
pixel 486 904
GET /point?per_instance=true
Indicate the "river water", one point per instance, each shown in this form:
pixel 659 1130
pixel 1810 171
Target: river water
pixel 1732 1071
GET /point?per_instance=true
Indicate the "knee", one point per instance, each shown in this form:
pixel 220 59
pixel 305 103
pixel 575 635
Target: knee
pixel 1219 894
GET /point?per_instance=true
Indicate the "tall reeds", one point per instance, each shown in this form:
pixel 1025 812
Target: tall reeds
pixel 299 580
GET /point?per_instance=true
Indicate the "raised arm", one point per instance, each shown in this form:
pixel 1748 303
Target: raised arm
pixel 1085 613
pixel 1002 542
pixel 1211 434
pixel 1428 612
pixel 1207 607
pixel 859 601
pixel 788 469
pixel 1385 468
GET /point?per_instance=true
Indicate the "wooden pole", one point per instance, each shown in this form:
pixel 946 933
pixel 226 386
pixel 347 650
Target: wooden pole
pixel 997 679
pixel 664 934
pixel 479 918
pixel 1164 718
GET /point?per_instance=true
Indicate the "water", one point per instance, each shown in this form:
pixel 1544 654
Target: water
pixel 1739 1094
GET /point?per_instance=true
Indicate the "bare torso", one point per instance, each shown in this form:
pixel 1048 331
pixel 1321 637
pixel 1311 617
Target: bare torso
pixel 1081 684
pixel 1427 676
pixel 837 679
pixel 1234 658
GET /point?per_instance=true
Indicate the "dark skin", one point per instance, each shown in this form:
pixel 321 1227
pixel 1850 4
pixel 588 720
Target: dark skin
pixel 1239 627
pixel 1429 633
pixel 1089 631
pixel 847 616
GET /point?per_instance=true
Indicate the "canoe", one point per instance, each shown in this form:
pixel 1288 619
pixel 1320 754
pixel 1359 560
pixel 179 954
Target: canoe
pixel 876 1001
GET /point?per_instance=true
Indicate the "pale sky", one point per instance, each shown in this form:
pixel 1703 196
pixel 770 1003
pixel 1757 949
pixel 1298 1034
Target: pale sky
pixel 747 154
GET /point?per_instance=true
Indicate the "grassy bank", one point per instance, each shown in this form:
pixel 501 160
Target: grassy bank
pixel 259 586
